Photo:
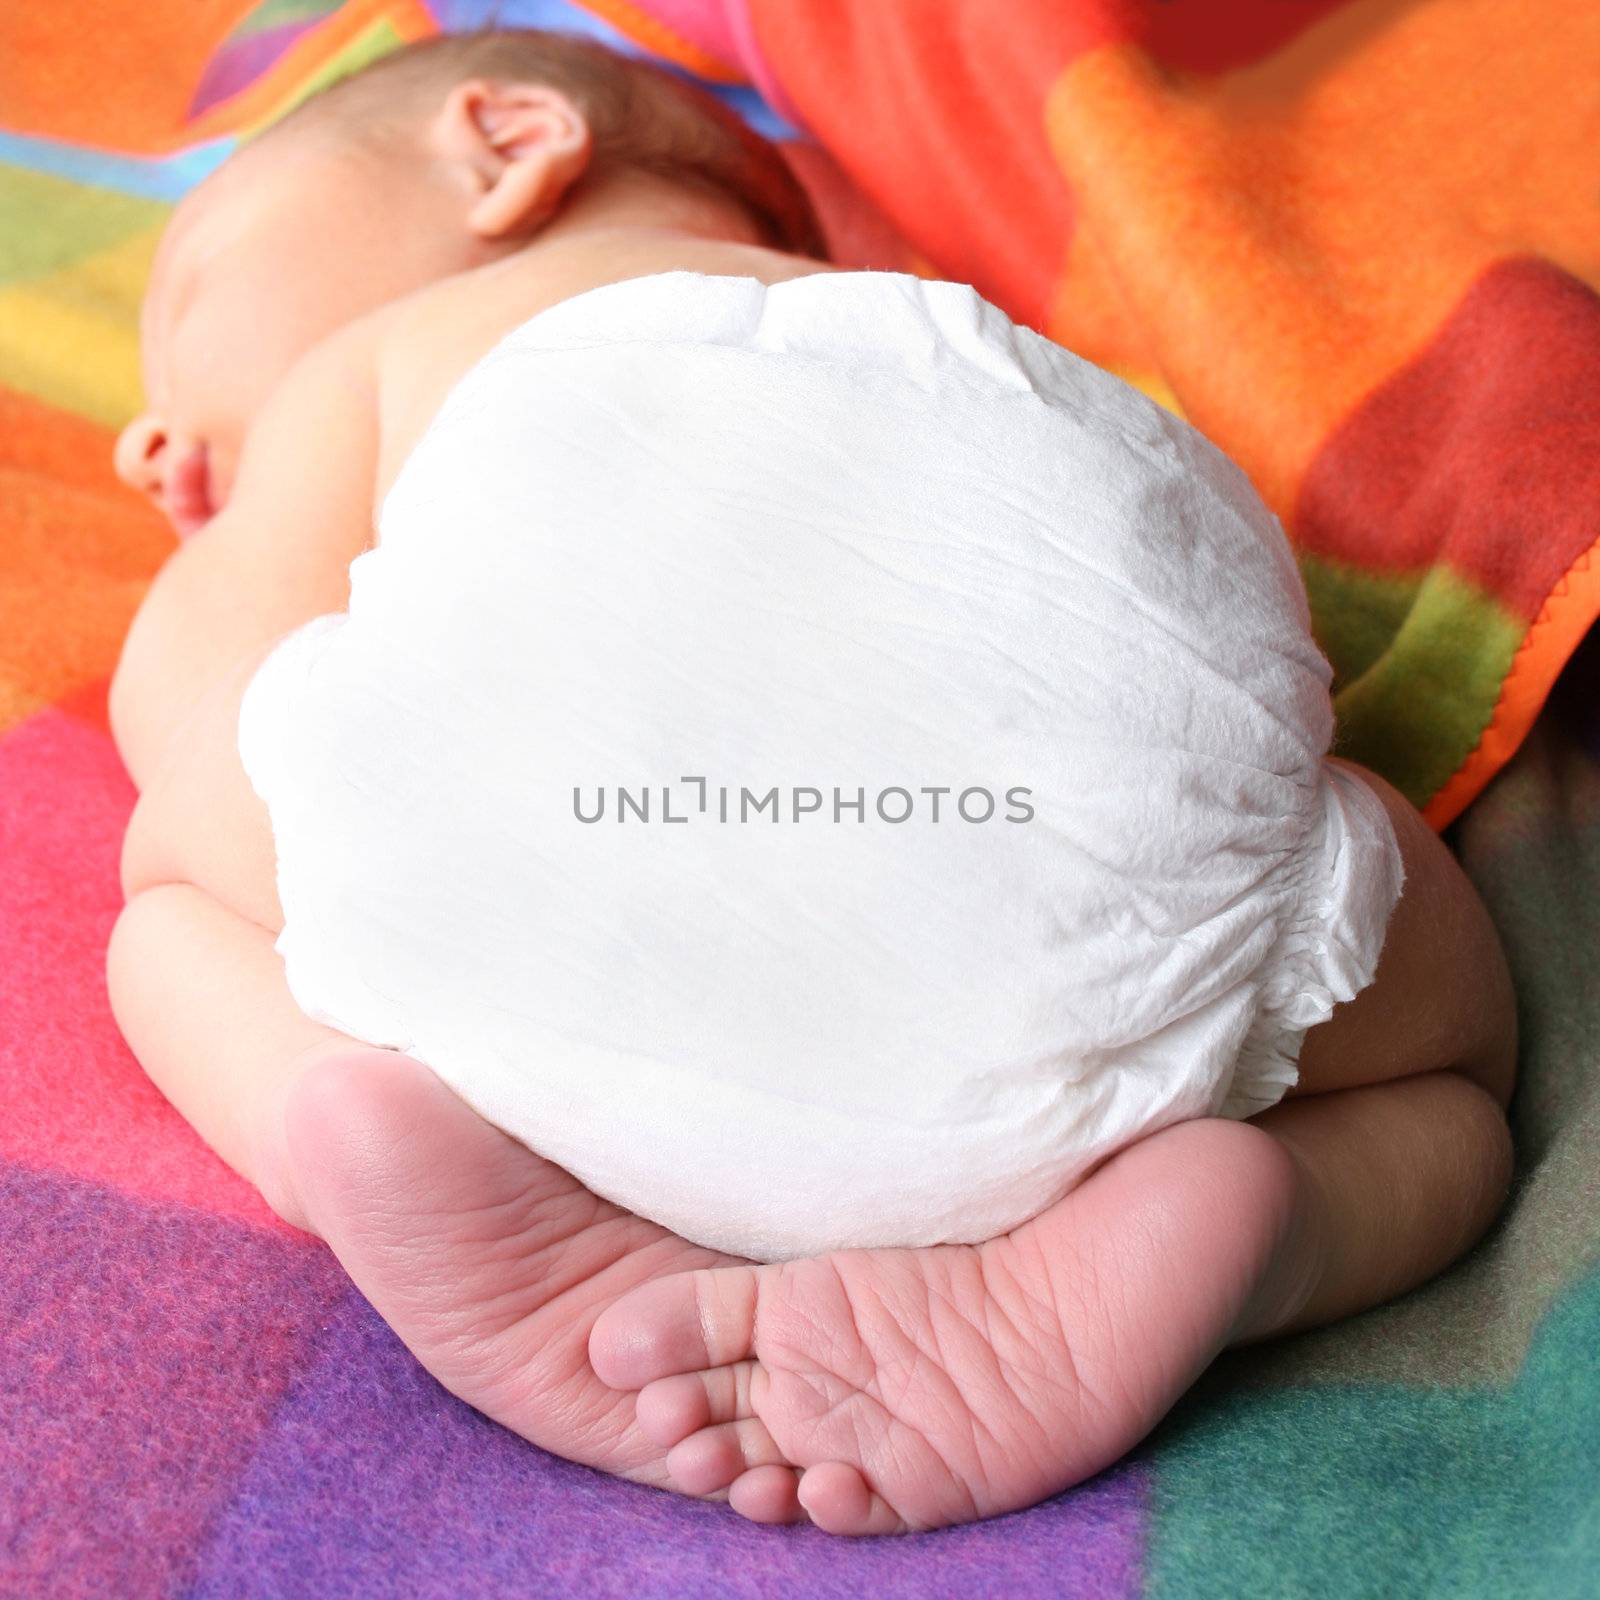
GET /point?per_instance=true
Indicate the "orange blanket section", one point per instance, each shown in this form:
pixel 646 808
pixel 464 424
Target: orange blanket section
pixel 104 72
pixel 1274 215
pixel 76 554
pixel 1329 179
pixel 121 77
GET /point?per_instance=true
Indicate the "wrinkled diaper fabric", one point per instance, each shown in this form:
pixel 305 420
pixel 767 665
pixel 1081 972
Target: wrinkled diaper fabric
pixel 821 763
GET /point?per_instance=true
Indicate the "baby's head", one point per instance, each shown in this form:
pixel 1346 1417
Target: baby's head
pixel 437 159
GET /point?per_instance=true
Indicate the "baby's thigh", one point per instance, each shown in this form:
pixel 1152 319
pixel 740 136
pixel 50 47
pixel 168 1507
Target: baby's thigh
pixel 199 821
pixel 1441 998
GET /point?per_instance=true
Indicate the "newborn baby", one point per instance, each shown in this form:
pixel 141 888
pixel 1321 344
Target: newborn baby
pixel 846 527
pixel 668 514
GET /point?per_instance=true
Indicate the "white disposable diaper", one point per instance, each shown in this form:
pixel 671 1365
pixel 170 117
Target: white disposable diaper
pixel 819 762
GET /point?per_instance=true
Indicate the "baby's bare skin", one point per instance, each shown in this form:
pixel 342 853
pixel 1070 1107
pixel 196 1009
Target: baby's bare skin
pixel 873 1391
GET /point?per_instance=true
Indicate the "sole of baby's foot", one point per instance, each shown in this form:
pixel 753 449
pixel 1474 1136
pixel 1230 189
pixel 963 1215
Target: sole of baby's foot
pixel 490 1263
pixel 894 1390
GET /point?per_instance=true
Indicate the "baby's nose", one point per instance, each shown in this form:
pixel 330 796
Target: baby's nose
pixel 139 449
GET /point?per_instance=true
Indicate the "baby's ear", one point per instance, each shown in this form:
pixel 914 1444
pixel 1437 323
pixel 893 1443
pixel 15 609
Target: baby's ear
pixel 523 144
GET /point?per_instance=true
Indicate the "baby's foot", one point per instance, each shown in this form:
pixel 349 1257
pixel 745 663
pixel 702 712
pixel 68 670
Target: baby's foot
pixel 490 1263
pixel 902 1389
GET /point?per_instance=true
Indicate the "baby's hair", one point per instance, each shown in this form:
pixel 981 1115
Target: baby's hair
pixel 641 116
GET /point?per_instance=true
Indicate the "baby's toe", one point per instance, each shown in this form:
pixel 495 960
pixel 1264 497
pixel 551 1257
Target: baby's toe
pixel 682 1323
pixel 839 1500
pixel 715 1457
pixel 670 1409
pixel 767 1494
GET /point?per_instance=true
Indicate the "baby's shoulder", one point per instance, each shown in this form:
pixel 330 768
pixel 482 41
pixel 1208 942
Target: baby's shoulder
pixel 421 346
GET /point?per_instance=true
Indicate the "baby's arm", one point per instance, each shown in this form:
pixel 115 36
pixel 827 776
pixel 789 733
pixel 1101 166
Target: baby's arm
pixel 277 554
pixel 195 983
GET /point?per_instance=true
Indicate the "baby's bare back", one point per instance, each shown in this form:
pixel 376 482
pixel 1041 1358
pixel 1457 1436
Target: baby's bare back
pixel 426 342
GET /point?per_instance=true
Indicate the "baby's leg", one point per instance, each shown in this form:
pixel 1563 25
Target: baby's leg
pixel 1397 1180
pixel 488 1261
pixel 912 1388
pixel 199 994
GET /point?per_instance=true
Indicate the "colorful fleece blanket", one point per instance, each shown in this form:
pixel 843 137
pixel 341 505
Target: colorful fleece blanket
pixel 1354 242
